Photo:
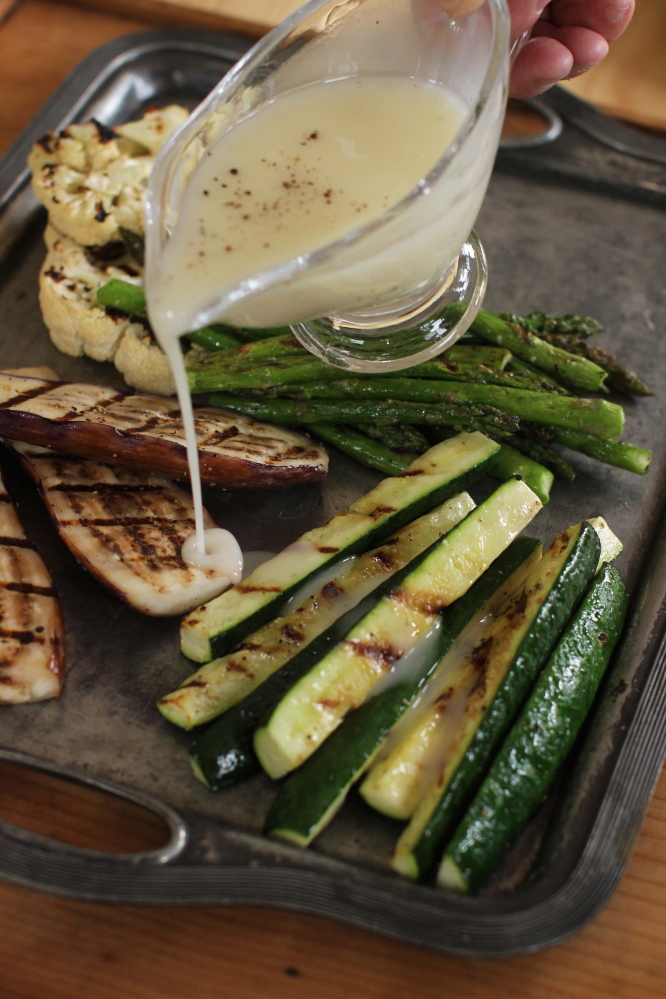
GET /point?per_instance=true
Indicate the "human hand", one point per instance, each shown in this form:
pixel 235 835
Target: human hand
pixel 567 37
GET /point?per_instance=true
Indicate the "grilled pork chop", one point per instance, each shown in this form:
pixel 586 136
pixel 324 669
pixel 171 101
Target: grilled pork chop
pixel 145 431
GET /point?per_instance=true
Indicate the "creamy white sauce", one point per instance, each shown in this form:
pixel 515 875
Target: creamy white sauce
pixel 252 561
pixel 411 663
pixel 304 169
pixel 219 553
pixel 316 583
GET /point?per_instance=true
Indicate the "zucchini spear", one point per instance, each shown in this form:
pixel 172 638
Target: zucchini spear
pixel 541 738
pixel 224 682
pixel 440 473
pixel 312 795
pixel 340 681
pixel 510 659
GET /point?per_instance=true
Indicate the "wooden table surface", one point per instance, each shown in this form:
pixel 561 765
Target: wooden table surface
pixel 55 949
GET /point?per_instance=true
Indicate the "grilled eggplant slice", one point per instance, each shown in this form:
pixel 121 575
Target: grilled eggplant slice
pixel 126 527
pixel 32 637
pixel 145 431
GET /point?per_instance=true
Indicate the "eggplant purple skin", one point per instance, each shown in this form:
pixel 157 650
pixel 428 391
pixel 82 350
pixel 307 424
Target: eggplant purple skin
pixel 164 457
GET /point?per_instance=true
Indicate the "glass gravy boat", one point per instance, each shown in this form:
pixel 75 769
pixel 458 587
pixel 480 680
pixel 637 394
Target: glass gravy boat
pixel 406 284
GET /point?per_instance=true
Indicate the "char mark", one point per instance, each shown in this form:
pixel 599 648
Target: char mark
pixel 29 588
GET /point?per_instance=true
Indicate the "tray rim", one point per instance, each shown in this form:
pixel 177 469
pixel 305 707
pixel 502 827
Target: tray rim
pixel 328 887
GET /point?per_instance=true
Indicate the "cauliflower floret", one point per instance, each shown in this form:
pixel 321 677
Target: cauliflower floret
pixel 93 179
pixel 143 364
pixel 68 283
pixel 78 325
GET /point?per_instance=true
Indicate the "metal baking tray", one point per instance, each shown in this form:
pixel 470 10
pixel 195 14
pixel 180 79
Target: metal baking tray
pixel 574 225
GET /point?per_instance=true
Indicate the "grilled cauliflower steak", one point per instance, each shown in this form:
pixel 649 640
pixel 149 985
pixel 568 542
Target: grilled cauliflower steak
pixel 68 282
pixel 92 179
pixel 78 324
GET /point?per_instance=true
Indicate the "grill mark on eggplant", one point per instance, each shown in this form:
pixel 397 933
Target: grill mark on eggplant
pixel 148 521
pixel 105 487
pixel 16 542
pixel 27 396
pixel 30 589
pixel 23 637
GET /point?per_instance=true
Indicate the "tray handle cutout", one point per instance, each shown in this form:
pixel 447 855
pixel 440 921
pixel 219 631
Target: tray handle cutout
pixel 22 850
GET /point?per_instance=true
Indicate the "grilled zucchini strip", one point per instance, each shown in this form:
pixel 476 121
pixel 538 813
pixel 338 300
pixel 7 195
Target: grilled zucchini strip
pixel 440 473
pixel 223 682
pixel 506 664
pixel 541 738
pixel 342 679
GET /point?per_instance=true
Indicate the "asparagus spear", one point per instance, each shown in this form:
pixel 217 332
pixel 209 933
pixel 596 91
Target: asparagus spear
pixel 509 463
pixel 283 372
pixel 542 382
pixel 127 297
pixel 122 295
pixel 355 411
pixel 540 323
pixel 357 445
pixel 275 347
pixel 593 416
pixel 620 378
pixel 480 353
pixel 618 453
pixel 397 437
pixel 577 372
pixel 545 456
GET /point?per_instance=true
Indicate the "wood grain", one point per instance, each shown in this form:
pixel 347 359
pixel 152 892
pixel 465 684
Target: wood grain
pixel 51 948
pixel 631 82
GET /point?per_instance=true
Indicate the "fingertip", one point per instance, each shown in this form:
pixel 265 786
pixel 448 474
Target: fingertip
pixel 540 64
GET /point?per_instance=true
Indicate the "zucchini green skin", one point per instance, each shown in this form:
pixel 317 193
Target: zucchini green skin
pixel 509 463
pixel 223 754
pixel 573 580
pixel 538 743
pixel 315 791
pixel 221 683
pixel 263 605
pixel 315 706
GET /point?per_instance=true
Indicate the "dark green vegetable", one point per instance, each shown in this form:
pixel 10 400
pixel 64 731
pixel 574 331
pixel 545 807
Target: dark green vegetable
pixel 577 372
pixel 313 793
pixel 357 445
pixel 593 416
pixel 122 295
pixel 224 754
pixel 618 453
pixel 568 325
pixel 354 411
pixel 540 740
pixel 620 378
pixel 397 436
pixel 510 463
pixel 134 244
pixel 575 555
